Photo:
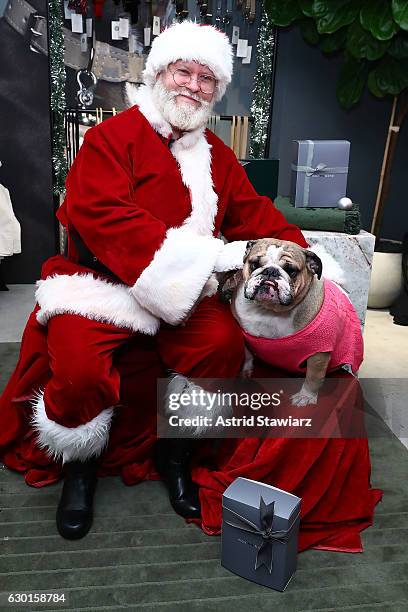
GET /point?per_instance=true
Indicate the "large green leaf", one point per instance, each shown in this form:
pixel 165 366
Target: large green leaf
pixel 322 7
pixel 376 17
pixel 351 83
pixel 372 85
pixel 389 77
pixel 400 13
pixel 399 45
pixel 361 44
pixel 307 7
pixel 283 13
pixel 334 42
pixel 309 31
pixel 331 15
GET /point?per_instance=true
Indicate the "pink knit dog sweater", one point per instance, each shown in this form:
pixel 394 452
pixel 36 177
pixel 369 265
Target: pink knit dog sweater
pixel 336 329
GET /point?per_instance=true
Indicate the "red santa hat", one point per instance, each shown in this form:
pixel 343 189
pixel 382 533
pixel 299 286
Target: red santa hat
pixel 191 41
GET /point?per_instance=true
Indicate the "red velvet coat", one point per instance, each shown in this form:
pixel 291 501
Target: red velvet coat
pixel 125 191
pixel 151 216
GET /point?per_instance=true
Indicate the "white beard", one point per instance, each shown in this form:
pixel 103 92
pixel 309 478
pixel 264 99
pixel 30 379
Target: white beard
pixel 183 116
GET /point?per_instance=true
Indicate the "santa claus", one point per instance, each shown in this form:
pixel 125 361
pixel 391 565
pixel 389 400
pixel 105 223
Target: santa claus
pixel 147 197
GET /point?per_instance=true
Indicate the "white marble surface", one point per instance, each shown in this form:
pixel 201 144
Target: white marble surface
pixel 354 253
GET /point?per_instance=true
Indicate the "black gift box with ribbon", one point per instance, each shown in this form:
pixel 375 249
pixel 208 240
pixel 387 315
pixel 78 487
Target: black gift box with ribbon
pixel 260 529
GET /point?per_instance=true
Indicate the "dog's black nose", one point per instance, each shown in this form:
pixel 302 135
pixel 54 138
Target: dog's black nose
pixel 272 273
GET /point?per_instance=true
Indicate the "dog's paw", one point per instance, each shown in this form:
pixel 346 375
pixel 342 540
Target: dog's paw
pixel 303 398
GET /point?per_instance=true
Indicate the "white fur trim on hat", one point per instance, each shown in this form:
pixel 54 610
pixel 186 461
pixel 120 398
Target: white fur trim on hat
pixel 191 41
pixel 70 443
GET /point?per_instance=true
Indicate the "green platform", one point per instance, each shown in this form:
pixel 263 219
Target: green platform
pixel 141 556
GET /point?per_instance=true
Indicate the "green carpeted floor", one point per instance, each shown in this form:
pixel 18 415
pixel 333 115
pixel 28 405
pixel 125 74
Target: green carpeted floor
pixel 140 555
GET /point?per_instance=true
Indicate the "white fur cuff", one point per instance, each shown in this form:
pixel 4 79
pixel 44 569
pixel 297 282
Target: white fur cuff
pixel 231 256
pixel 70 443
pixel 94 299
pixel 171 284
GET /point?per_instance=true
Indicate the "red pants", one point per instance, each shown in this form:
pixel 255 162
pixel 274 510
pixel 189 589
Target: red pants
pixel 83 353
pixel 332 476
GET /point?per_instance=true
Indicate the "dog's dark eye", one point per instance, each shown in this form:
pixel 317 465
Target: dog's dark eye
pixel 253 265
pixel 291 270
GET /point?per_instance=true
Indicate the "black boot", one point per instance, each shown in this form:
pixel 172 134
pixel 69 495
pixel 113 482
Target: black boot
pixel 172 460
pixel 75 509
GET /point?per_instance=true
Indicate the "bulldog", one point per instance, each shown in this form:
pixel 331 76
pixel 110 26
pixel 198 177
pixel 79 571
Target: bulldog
pixel 291 316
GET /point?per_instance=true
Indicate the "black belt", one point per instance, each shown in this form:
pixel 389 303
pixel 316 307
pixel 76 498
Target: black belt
pixel 87 258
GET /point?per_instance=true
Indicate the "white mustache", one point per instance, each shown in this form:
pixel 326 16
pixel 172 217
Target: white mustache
pixel 189 94
pixel 183 116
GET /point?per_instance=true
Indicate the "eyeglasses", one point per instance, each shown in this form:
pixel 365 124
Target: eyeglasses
pixel 206 82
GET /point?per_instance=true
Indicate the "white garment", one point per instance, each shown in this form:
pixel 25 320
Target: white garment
pixel 10 233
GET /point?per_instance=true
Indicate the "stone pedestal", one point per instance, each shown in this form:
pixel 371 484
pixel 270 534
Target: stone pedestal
pixel 354 253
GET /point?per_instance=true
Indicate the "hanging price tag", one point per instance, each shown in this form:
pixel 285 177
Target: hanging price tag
pixel 84 43
pixel 89 28
pixel 147 33
pixel 247 58
pixel 77 23
pixel 235 35
pixel 115 30
pixel 156 26
pixel 242 47
pixel 124 27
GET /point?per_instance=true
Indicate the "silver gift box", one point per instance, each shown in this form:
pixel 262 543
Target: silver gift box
pixel 319 172
pixel 260 526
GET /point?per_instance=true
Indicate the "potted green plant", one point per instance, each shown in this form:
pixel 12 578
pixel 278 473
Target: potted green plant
pixel 372 37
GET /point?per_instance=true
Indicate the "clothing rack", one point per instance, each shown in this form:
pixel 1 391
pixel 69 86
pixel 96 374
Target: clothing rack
pixel 78 120
pixel 113 111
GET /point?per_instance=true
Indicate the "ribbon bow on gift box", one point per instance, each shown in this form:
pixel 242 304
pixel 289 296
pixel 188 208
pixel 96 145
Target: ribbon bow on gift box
pixel 319 168
pixel 264 555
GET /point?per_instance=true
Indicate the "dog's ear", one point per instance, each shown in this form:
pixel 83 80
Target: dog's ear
pixel 249 246
pixel 314 263
pixel 227 283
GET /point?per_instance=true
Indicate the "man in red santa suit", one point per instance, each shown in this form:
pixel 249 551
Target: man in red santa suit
pixel 146 199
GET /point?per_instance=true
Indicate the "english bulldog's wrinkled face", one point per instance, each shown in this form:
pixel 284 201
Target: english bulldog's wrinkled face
pixel 278 273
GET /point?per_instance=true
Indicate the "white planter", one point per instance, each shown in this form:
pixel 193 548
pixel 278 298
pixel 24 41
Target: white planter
pixel 386 279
